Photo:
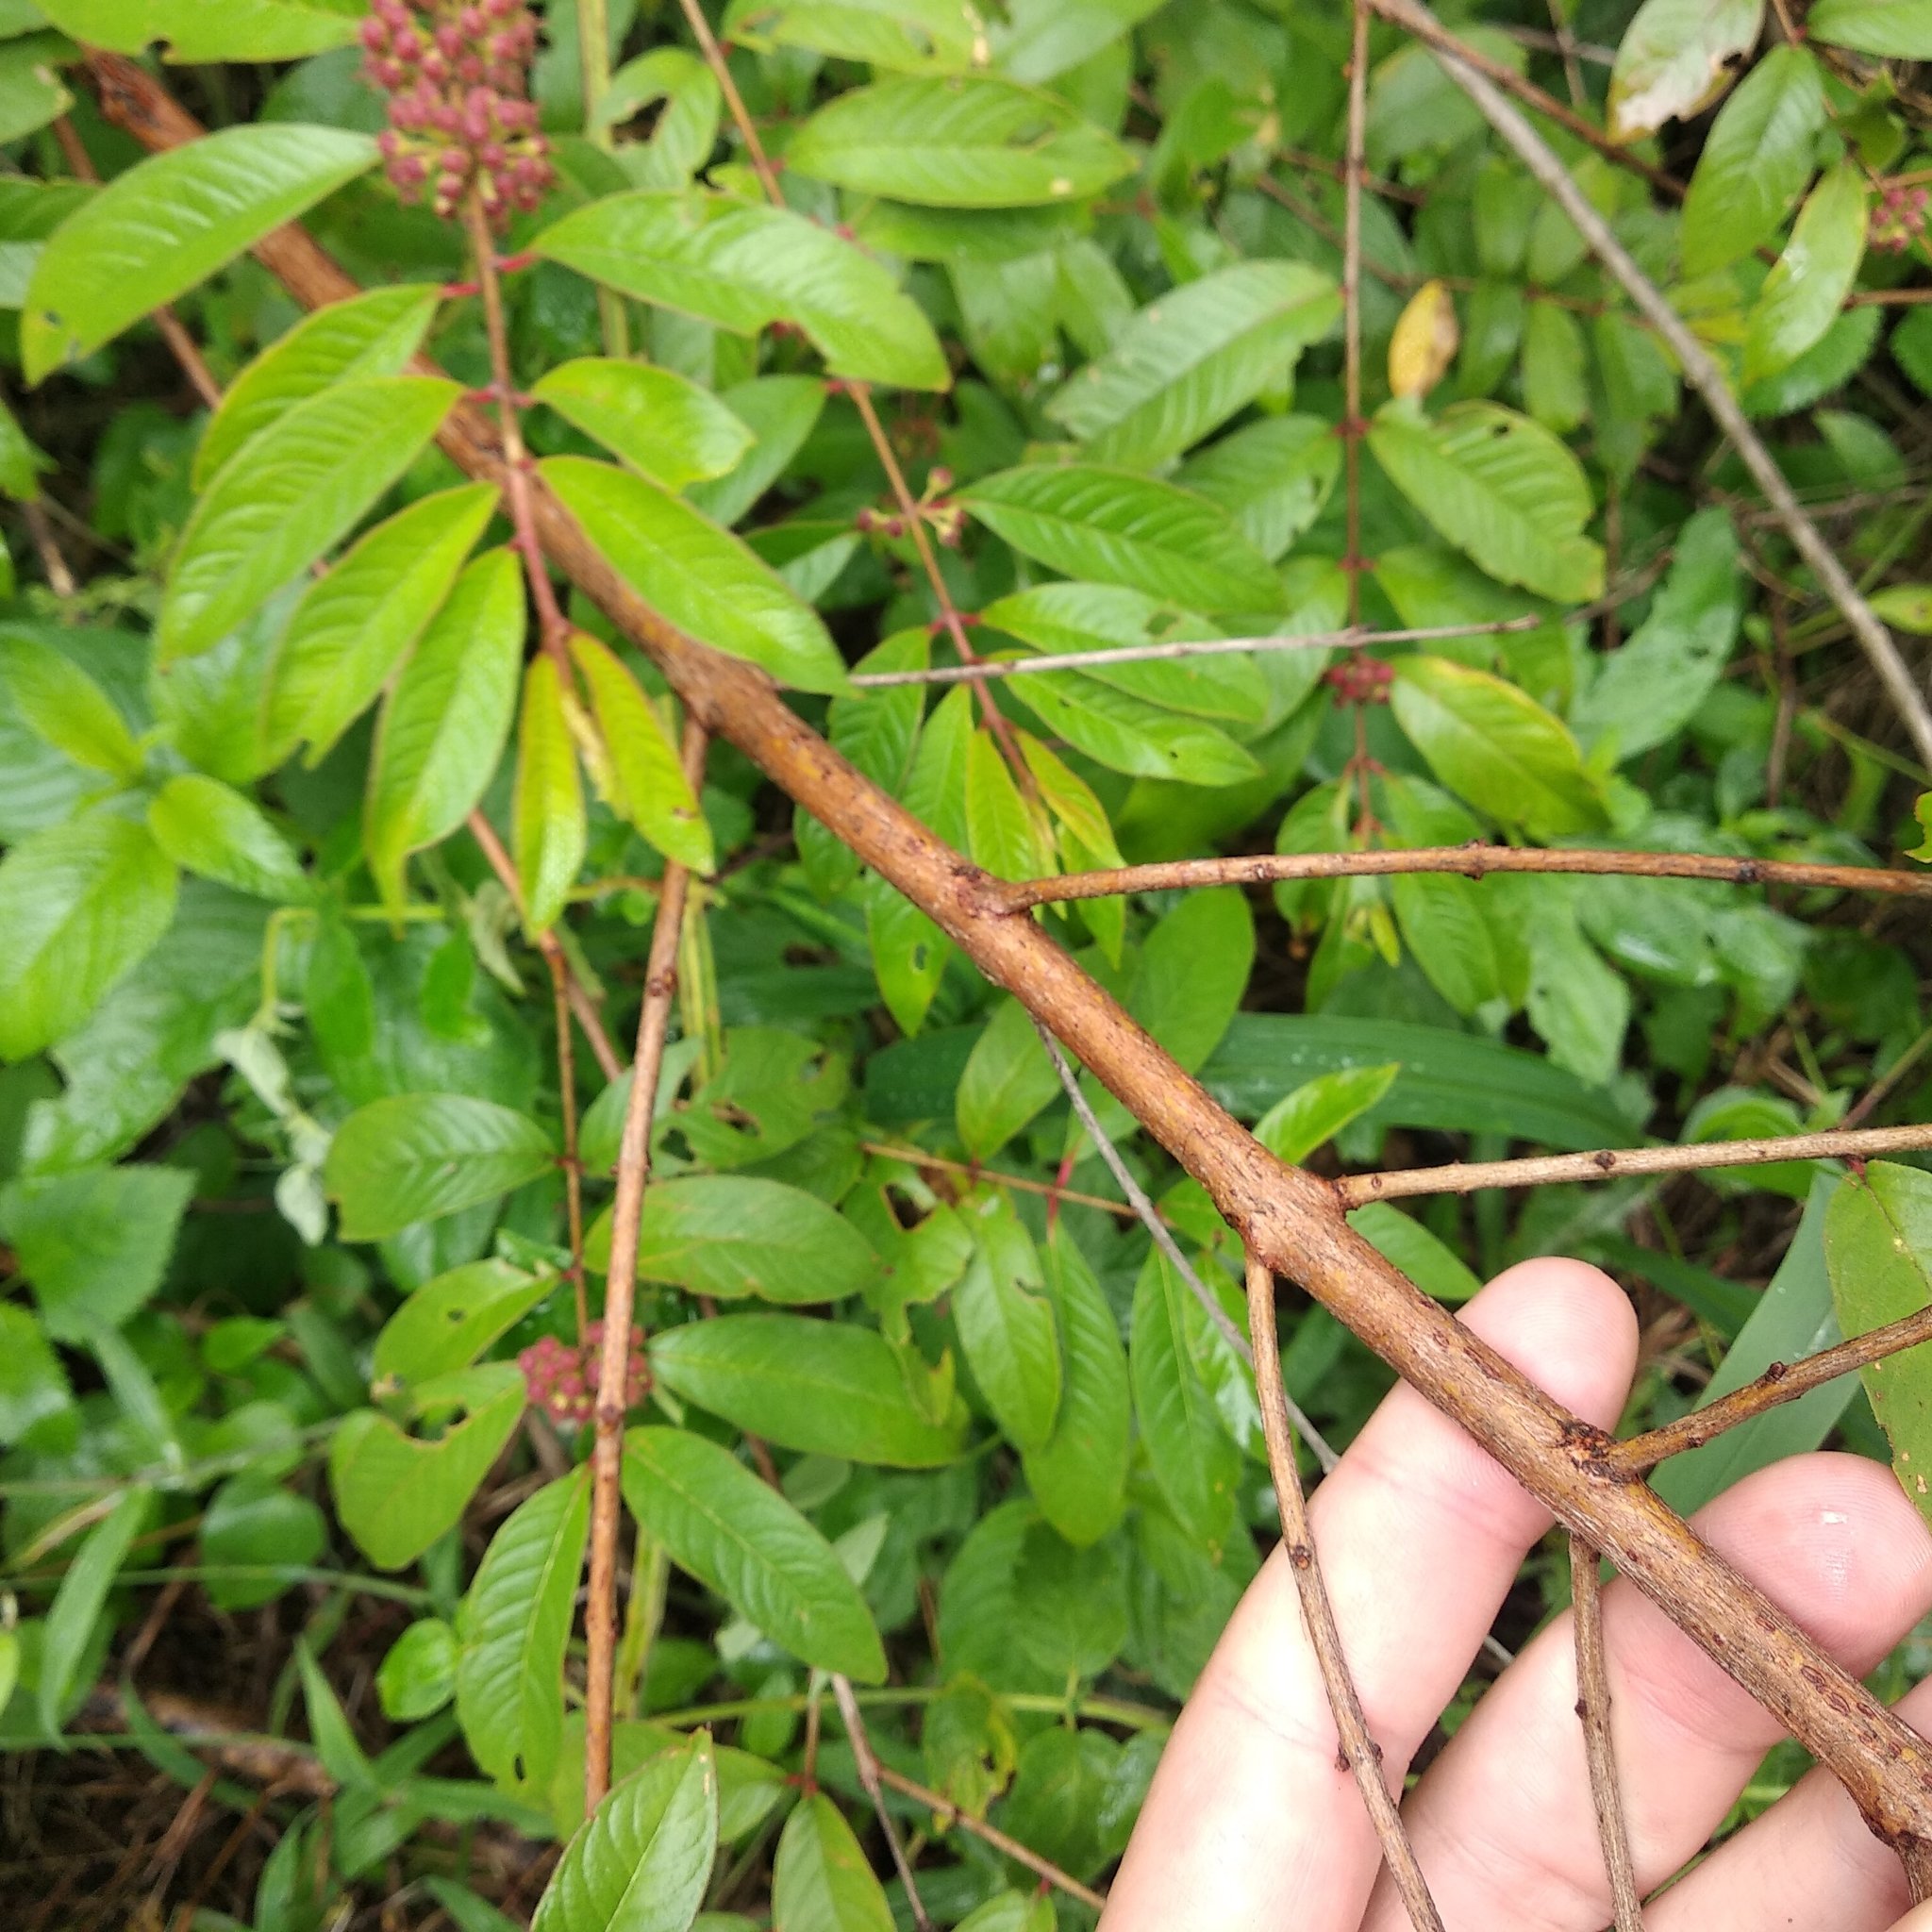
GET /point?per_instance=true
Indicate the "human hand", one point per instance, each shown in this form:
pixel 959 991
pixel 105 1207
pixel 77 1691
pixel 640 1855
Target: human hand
pixel 1252 1826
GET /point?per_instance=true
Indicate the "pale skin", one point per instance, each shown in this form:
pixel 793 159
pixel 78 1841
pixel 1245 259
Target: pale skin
pixel 1251 1827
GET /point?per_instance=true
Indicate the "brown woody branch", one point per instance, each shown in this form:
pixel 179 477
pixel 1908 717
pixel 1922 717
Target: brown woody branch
pixel 1593 1708
pixel 867 1761
pixel 1287 1219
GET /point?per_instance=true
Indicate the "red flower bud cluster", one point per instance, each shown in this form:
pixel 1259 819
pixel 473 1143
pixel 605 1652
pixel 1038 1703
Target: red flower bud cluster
pixel 1361 679
pixel 563 1381
pixel 1899 220
pixel 457 72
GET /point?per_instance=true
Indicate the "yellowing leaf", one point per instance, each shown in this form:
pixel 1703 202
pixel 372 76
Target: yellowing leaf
pixel 1424 344
pixel 1676 58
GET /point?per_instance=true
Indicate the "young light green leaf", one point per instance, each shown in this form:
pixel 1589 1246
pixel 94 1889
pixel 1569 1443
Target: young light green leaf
pixel 418 1673
pixel 22 461
pixel 287 497
pixel 512 1628
pixel 81 904
pixel 171 222
pixel 62 704
pixel 211 828
pixel 195 31
pixel 823 1388
pixel 547 812
pixel 396 1495
pixel 417 1156
pixel 1494 747
pixel 93 1242
pixel 354 625
pixel 821 1880
pixel 664 426
pixel 1430 1263
pixel 1192 358
pixel 1677 57
pixel 1047 37
pixel 736 1234
pixel 1128 734
pixel 898 36
pixel 716 1520
pixel 642 775
pixel 957 142
pixel 703 579
pixel 448 1321
pixel 1006 1324
pixel 376 334
pixel 1906 607
pixel 1811 279
pixel 1195 1460
pixel 1087 840
pixel 1892 29
pixel 1317 1110
pixel 445 719
pixel 741 268
pixel 1123 528
pixel 1013 1911
pixel 1756 159
pixel 1500 488
pixel 1002 833
pixel 79 1601
pixel 1078 1476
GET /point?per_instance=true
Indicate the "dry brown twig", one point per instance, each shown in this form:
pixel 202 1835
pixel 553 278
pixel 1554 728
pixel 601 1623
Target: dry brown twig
pixel 867 1759
pixel 1593 1708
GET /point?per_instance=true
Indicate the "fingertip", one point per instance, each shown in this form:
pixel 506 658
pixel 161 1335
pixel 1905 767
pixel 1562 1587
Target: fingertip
pixel 1918 1920
pixel 1568 1326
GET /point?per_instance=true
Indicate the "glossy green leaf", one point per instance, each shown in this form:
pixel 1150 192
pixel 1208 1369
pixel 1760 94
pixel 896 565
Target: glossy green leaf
pixel 1006 1080
pixel 741 268
pixel 822 1388
pixel 1195 1460
pixel 369 335
pixel 899 36
pixel 81 1598
pixel 547 813
pixel 820 1879
pixel 512 1628
pixel 1315 1112
pixel 1811 279
pixel 211 828
pixel 63 707
pixel 1435 1267
pixel 1008 1329
pixel 418 1673
pixel 1892 29
pixel 396 1493
pixel 416 1157
pixel 287 496
pixel 445 719
pixel 1905 606
pixel 716 1520
pixel 1677 57
pixel 1756 162
pixel 1013 1911
pixel 1122 528
pixel 195 31
pixel 448 1321
pixel 81 904
pixel 958 141
pixel 703 579
pixel 1128 734
pixel 170 221
pixel 354 625
pixel 664 426
pixel 1003 834
pixel 1273 476
pixel 1192 358
pixel 1078 1476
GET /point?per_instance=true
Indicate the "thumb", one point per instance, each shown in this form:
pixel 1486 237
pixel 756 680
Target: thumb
pixel 1918 1920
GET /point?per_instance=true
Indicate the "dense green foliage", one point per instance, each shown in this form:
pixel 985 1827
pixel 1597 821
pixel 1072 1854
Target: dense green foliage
pixel 290 1314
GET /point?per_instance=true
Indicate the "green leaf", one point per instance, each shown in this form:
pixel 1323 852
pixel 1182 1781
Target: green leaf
pixel 31 92
pixel 1430 1263
pixel 418 1673
pixel 1273 476
pixel 551 834
pixel 369 335
pixel 664 426
pixel 1003 834
pixel 1078 1476
pixel 686 128
pixel 235 30
pixel 1195 1460
pixel 61 704
pixel 1007 1079
pixel 445 719
pixel 642 1861
pixel 1128 734
pixel 1316 1111
pixel 1123 528
pixel 287 497
pixel 512 1628
pixel 1905 606
pixel 81 904
pixel 1811 279
pixel 33 1385
pixel 1555 390
pixel 1494 747
pixel 341 1756
pixel 448 1321
pixel 703 579
pixel 901 35
pixel 1892 29
pixel 1677 57
pixel 1013 1911
pixel 251 1524
pixel 211 828
pixel 1007 1326
pixel 1192 358
pixel 417 1156
pixel 396 1493
pixel 957 142
pixel 169 223
pixel 822 1388
pixel 742 267
pixel 1500 488
pixel 820 1881
pixel 79 1601
pixel 716 1520
pixel 356 625
pixel 20 460
pixel 1756 159
pixel 1194 971
pixel 1651 688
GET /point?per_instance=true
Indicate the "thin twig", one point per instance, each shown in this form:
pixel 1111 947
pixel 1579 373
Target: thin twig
pixel 1614 1163
pixel 734 101
pixel 620 1289
pixel 1473 74
pixel 868 1762
pixel 1782 1382
pixel 1475 860
pixel 54 566
pixel 1359 1750
pixel 945 1809
pixel 1593 1708
pixel 1888 1082
pixel 1163 1239
pixel 917 1157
